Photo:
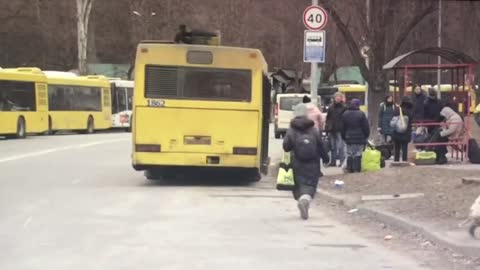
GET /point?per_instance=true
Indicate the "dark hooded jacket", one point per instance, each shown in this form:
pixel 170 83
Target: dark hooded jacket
pixel 385 116
pixel 407 110
pixel 356 129
pixel 433 107
pixel 306 173
pixel 418 101
pixel 334 117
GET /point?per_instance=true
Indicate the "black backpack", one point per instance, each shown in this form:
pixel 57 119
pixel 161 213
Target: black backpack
pixel 305 146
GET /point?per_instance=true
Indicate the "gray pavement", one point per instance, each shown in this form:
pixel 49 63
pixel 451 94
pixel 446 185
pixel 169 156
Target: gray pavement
pixel 74 202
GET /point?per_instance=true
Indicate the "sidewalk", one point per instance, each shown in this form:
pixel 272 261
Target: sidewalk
pixel 435 204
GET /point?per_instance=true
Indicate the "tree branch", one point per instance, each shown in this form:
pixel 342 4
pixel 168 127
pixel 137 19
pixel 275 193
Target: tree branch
pixel 409 27
pixel 349 39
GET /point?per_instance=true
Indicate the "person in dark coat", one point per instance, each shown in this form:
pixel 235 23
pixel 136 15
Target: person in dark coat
pixel 402 139
pixel 333 126
pixel 356 131
pixel 385 115
pixel 306 172
pixel 418 100
pixel 432 107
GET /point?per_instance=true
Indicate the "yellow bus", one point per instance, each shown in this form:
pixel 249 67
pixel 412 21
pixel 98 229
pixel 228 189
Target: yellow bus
pixel 200 107
pixel 78 103
pixel 23 102
pixel 352 91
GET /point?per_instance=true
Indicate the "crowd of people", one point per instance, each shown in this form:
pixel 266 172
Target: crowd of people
pixel 422 116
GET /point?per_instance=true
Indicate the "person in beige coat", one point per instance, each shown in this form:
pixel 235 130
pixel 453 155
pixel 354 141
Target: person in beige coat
pixel 454 126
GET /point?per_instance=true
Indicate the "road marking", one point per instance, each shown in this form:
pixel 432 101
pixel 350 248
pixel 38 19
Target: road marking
pixel 59 149
pixel 29 219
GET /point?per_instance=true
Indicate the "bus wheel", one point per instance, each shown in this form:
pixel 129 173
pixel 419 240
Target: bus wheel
pixel 254 175
pixel 50 126
pixel 153 175
pixel 21 128
pixel 90 125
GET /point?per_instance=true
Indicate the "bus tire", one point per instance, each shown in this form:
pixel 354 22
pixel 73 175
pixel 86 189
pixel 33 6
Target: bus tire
pixel 21 128
pixel 153 175
pixel 50 126
pixel 90 125
pixel 254 175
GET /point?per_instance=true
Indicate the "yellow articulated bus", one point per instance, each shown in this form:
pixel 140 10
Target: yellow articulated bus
pixel 23 102
pixel 200 107
pixel 78 103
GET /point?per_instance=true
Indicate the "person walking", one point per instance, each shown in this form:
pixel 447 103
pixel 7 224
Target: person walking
pixel 333 126
pixel 385 115
pixel 356 131
pixel 304 142
pixel 418 100
pixel 313 113
pixel 401 138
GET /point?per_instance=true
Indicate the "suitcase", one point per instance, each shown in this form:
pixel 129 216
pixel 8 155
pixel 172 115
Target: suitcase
pixel 425 158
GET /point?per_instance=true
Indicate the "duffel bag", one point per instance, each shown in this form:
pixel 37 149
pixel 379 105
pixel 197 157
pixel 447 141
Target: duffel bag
pixel 425 158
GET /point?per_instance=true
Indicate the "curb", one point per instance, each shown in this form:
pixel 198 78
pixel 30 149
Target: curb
pixel 402 223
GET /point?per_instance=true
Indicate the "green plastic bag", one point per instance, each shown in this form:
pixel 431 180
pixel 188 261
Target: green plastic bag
pixel 285 177
pixel 425 158
pixel 371 160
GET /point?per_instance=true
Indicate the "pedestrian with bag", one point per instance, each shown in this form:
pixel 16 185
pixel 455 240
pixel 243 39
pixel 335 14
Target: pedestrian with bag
pixel 356 131
pixel 402 129
pixel 333 127
pixel 385 115
pixel 305 144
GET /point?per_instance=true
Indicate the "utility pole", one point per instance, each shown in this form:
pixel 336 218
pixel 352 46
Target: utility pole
pixel 313 75
pixel 439 44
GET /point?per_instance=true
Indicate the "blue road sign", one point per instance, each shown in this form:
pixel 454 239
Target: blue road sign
pixel 314 47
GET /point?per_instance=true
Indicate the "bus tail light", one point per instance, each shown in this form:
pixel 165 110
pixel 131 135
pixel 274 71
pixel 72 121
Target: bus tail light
pixel 277 109
pixel 247 151
pixel 148 148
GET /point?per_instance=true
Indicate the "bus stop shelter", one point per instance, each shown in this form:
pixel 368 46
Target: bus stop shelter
pixel 460 73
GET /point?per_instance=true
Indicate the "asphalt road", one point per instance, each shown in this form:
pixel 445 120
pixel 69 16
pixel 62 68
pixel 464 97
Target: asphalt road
pixel 74 202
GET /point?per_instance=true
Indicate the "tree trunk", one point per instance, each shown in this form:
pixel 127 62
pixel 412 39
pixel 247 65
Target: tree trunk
pixel 83 13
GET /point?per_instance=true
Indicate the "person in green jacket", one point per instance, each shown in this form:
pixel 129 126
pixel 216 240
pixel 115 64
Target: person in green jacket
pixel 385 115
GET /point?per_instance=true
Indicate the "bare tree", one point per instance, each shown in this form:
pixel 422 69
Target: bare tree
pixel 376 34
pixel 84 7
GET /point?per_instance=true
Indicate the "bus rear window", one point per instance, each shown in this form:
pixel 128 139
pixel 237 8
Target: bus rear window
pixel 289 103
pixel 198 83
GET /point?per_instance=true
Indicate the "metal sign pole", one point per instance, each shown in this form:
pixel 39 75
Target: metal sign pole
pixel 313 75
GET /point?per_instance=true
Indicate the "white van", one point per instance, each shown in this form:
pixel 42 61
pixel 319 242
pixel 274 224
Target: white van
pixel 284 107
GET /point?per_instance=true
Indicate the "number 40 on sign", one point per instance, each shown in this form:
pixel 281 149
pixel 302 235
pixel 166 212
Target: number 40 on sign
pixel 315 18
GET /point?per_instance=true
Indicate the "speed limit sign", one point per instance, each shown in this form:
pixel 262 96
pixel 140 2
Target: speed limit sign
pixel 315 18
